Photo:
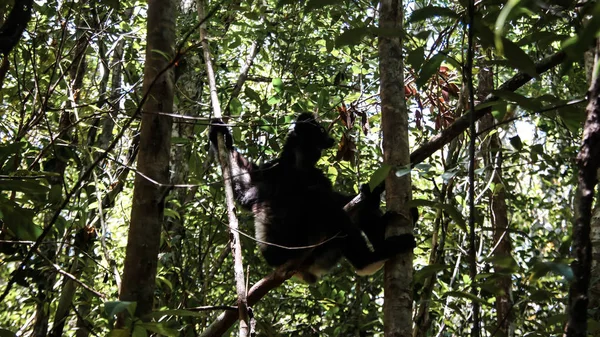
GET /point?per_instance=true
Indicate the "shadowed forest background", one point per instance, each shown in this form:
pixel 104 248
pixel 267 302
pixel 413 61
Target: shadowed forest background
pixel 74 93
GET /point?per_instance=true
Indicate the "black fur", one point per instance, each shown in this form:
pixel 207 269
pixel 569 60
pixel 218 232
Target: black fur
pixel 297 214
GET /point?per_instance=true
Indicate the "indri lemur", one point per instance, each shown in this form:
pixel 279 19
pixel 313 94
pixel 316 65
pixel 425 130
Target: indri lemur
pixel 295 206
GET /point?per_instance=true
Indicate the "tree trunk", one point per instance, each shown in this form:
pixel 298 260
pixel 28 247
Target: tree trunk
pixel 398 270
pixel 492 156
pixel 588 161
pixel 153 160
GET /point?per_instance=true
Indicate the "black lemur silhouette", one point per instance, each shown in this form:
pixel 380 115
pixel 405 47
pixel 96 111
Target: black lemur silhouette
pixel 297 214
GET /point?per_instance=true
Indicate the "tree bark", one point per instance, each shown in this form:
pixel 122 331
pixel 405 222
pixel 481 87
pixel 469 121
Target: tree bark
pixel 588 161
pixel 224 160
pixel 397 308
pixel 153 160
pixel 492 157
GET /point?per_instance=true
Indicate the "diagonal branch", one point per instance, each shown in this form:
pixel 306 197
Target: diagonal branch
pixel 224 160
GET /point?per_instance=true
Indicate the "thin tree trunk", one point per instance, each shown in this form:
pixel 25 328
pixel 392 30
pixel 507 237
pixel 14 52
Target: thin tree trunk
pixel 236 247
pixel 153 161
pixel 492 150
pixel 397 308
pixel 588 162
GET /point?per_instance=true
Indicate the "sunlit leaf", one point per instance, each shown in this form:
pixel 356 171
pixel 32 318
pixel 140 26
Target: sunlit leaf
pixel 379 176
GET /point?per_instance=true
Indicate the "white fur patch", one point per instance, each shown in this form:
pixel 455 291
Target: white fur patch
pixel 261 217
pixel 370 269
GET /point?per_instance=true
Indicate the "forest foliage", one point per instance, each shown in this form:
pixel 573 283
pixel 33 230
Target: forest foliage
pixel 70 114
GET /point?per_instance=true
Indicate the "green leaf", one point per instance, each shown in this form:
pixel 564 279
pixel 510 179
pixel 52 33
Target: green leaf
pixel 516 142
pixel 112 308
pixel 159 328
pixel 572 117
pixel 431 67
pixel 379 176
pixel 277 84
pixel 505 262
pixel 416 57
pixel 317 4
pixel 139 331
pixel 6 333
pixel 542 268
pixel 25 186
pixel 119 333
pixel 352 36
pixel 253 95
pixel 9 150
pixel 428 12
pixel 467 296
pixel 19 220
pixel 235 107
pixel 273 100
pixel 451 210
pixel 499 110
pixel 517 58
pixel 323 99
pixel 522 101
pixel 429 270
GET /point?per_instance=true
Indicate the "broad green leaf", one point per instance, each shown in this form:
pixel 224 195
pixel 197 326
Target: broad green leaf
pixel 8 151
pixel 119 333
pixel 273 100
pixel 379 176
pixel 429 270
pixel 430 67
pixel 506 262
pixel 139 331
pixel 499 110
pixel 323 101
pixel 159 328
pixel 112 308
pixel 572 117
pixel 467 296
pixel 516 142
pixel 557 319
pixel 235 107
pixel 518 58
pixel 416 57
pixel 352 36
pixel 253 95
pixel 542 268
pixel 451 210
pixel 277 84
pixel 25 186
pixel 522 101
pixel 317 4
pixel 19 220
pixel 429 12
